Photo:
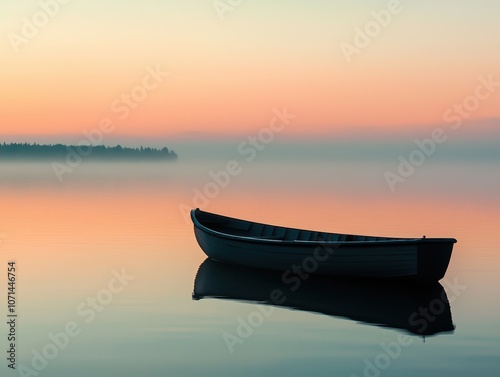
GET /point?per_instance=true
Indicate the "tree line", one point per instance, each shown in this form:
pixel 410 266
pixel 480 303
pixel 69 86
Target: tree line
pixel 34 151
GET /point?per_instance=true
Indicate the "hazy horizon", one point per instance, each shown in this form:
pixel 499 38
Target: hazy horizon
pixel 475 130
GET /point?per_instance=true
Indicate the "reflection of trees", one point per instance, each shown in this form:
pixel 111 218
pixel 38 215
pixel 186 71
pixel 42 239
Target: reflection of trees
pixel 26 150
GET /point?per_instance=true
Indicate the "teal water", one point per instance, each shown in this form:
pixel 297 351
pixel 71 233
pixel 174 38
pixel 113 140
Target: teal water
pixel 70 239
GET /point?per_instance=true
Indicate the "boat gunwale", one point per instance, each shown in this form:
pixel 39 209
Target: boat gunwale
pixel 394 241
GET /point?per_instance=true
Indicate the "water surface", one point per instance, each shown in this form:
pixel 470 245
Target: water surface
pixel 70 238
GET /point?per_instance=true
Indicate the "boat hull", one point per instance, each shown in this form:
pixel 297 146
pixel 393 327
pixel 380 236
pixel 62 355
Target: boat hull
pixel 420 259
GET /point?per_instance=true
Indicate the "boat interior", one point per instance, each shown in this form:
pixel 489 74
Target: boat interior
pixel 243 228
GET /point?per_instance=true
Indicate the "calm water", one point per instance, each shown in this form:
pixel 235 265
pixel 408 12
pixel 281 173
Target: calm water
pixel 70 239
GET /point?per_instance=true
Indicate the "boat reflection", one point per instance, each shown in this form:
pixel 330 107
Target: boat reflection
pixel 417 309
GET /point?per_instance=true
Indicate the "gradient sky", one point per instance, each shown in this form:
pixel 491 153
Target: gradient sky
pixel 227 75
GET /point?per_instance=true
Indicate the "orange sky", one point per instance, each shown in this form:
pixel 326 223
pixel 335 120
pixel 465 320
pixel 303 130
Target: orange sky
pixel 227 75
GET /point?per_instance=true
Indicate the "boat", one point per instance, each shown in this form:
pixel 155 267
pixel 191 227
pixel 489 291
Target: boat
pixel 377 303
pixel 304 252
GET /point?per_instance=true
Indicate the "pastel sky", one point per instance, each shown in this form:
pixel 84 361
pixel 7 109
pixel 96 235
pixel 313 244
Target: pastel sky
pixel 228 71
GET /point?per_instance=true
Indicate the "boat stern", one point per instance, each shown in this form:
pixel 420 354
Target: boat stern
pixel 433 258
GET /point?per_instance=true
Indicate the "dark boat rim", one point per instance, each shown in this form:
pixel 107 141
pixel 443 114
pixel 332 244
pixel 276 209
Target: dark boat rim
pixel 396 241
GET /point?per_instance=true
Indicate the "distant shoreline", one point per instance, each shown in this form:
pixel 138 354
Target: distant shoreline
pixel 26 151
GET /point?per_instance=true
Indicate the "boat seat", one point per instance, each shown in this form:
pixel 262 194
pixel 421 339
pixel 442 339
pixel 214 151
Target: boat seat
pixel 267 231
pixel 255 230
pixel 322 237
pixel 291 234
pixel 304 235
pixel 279 231
pixel 333 237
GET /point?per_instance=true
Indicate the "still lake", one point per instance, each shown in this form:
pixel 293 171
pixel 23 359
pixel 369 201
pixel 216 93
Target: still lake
pixel 109 253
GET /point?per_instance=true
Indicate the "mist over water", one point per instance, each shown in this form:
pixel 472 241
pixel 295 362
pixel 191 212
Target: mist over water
pixel 453 169
pixel 105 217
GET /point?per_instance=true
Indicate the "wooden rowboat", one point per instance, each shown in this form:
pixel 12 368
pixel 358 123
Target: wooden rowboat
pixel 379 303
pixel 302 252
